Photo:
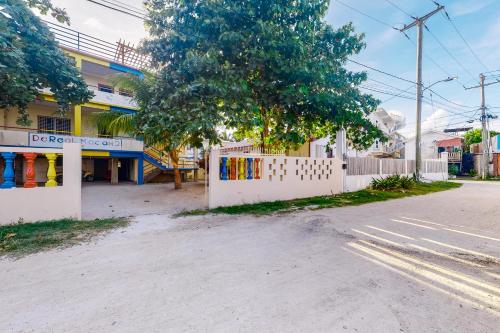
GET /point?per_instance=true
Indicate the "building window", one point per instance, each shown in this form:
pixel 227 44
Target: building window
pixel 125 92
pixel 54 125
pixel 105 88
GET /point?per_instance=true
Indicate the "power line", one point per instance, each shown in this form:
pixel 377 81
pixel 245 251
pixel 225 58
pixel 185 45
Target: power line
pixel 454 111
pixel 138 9
pixel 400 9
pixel 434 61
pixel 124 6
pixel 366 15
pixel 381 71
pixel 110 6
pixel 464 40
pixel 405 91
pixel 448 51
pixel 451 102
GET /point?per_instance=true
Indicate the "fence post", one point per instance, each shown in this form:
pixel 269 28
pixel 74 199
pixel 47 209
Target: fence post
pixel 72 173
pixel 406 167
pixel 380 167
pixel 213 176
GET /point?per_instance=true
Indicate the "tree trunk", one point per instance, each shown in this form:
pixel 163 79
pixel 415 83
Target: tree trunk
pixel 265 129
pixel 174 156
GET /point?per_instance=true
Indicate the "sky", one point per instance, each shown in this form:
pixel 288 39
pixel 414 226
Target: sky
pixel 445 53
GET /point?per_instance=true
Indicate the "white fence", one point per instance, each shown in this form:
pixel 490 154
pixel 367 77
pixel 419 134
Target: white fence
pixel 250 178
pixel 247 178
pixel 36 201
pixel 361 171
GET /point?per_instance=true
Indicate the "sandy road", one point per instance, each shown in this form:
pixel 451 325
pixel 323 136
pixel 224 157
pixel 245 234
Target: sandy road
pixel 422 264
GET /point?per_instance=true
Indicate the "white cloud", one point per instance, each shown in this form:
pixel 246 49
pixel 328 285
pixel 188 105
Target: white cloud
pixel 93 23
pixel 438 120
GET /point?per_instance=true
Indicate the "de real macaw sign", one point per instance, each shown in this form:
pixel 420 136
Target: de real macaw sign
pixel 47 140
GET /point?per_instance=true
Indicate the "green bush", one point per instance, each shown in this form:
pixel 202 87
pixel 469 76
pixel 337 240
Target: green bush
pixel 453 169
pixel 472 173
pixel 395 182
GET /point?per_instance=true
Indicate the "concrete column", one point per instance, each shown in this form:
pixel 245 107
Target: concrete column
pixel 341 144
pixel 213 177
pixel 195 160
pixel 77 130
pixel 72 174
pixel 114 171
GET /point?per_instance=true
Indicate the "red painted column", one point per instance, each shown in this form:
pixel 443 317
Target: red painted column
pixel 30 170
pixel 257 168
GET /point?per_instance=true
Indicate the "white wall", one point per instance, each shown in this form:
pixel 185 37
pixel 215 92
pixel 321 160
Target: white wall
pixel 428 146
pixel 282 178
pixel 46 203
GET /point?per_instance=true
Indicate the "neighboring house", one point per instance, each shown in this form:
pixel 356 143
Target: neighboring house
pixel 388 123
pixel 454 148
pixel 495 148
pixel 429 144
pixel 112 159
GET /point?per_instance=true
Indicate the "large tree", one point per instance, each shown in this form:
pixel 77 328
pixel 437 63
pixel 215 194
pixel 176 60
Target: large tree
pixel 169 124
pixel 270 69
pixel 30 59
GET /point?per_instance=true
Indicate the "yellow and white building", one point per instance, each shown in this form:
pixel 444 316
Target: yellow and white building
pixel 112 159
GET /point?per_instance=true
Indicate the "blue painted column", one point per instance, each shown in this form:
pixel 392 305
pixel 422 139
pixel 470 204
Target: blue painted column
pixel 249 168
pixel 8 173
pixel 223 168
pixel 140 171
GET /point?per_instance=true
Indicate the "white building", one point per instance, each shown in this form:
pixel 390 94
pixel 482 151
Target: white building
pixel 388 122
pixel 429 148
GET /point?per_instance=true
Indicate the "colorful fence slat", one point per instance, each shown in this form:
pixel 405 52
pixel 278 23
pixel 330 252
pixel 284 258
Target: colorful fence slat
pixel 30 170
pixel 8 172
pixel 249 168
pixel 223 168
pixel 51 171
pixel 257 168
pixel 241 172
pixel 233 168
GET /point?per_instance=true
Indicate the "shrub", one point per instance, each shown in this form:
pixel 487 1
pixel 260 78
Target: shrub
pixel 472 173
pixel 453 169
pixel 395 182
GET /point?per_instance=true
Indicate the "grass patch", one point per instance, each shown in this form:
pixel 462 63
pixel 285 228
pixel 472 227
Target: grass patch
pixel 25 238
pixel 479 179
pixel 341 200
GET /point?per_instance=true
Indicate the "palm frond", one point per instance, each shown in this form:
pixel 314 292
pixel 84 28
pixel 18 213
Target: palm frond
pixel 114 123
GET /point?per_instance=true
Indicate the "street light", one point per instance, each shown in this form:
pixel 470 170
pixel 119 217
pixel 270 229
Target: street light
pixel 444 80
pixel 418 134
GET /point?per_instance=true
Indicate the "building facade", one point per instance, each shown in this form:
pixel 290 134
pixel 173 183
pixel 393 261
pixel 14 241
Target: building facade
pixel 104 158
pixel 388 123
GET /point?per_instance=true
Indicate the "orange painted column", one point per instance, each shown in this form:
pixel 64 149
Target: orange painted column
pixel 257 168
pixel 30 170
pixel 233 168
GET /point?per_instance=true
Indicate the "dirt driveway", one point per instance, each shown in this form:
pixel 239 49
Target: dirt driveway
pixel 123 200
pixel 422 264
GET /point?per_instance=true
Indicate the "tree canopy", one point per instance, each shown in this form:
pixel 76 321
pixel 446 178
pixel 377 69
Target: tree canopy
pixel 269 69
pixel 475 136
pixel 30 59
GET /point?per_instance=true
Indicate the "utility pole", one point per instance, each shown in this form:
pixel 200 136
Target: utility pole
pixel 485 163
pixel 419 22
pixel 485 135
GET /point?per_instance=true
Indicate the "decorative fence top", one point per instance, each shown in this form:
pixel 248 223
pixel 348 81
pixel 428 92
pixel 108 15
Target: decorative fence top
pixel 29 156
